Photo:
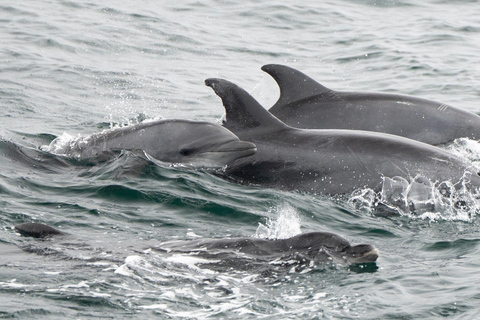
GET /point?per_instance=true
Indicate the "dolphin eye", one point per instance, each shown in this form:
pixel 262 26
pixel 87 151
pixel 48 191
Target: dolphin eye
pixel 186 152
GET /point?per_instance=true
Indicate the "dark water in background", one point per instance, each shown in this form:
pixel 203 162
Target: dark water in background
pixel 78 67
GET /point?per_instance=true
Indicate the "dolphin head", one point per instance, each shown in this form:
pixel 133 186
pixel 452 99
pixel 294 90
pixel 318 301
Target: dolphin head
pixel 326 246
pixel 197 144
pixel 362 253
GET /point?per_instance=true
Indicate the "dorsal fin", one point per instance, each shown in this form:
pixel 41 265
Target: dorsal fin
pixel 294 85
pixel 242 110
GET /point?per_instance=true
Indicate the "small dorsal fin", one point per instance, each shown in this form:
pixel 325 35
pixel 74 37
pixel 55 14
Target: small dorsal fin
pixel 294 85
pixel 242 110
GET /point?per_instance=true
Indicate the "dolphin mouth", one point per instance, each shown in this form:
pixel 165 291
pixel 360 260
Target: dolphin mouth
pixel 224 154
pixel 365 257
pixel 248 148
pixel 370 256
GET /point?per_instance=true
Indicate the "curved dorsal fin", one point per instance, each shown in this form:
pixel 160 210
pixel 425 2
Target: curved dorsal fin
pixel 242 110
pixel 294 85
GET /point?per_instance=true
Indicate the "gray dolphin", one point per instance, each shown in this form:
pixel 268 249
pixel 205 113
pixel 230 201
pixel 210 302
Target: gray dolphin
pixel 314 246
pixel 305 103
pixel 327 161
pixel 195 143
pixel 37 230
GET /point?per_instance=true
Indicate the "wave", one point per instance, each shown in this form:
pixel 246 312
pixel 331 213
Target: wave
pixel 416 198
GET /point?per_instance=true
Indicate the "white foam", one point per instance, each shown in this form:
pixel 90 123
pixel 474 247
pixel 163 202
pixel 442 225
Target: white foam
pixel 99 294
pixel 192 234
pixel 191 262
pixel 154 307
pixel 130 262
pixel 13 284
pixel 81 284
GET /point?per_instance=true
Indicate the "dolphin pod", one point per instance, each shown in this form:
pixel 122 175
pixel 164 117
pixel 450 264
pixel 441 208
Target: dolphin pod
pixel 327 161
pixel 195 143
pixel 305 103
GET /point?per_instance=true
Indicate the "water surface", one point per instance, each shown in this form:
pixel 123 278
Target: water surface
pixel 77 68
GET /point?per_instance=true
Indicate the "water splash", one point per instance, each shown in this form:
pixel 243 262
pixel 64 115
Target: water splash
pixel 283 222
pixel 66 143
pixel 72 145
pixel 419 198
pixel 142 117
pixel 466 148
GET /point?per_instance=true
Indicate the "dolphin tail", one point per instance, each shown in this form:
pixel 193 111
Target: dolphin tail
pixel 294 86
pixel 242 110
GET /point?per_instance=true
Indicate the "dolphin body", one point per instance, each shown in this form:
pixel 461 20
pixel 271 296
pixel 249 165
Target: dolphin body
pixel 328 161
pixel 305 103
pixel 193 143
pixel 318 247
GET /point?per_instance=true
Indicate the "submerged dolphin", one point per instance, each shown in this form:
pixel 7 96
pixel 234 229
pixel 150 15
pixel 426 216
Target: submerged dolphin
pixel 314 246
pixel 304 103
pixel 37 230
pixel 200 144
pixel 327 161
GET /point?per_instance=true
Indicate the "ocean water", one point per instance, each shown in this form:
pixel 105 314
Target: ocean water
pixel 73 68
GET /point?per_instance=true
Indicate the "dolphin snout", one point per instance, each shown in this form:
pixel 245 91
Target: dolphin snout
pixel 362 253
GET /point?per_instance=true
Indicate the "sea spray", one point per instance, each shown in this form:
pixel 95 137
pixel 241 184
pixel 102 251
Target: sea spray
pixel 420 198
pixel 283 222
pixel 67 142
pixel 466 148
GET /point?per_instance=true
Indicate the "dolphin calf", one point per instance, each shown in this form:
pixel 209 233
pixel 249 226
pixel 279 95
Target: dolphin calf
pixel 306 248
pixel 305 103
pixel 327 161
pixel 199 144
pixel 314 246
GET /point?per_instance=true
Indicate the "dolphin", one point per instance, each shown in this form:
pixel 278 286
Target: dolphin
pixel 194 143
pixel 328 161
pixel 313 246
pixel 305 103
pixel 317 247
pixel 37 230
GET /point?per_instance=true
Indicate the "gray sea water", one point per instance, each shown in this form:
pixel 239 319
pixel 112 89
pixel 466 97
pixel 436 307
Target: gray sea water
pixel 70 68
